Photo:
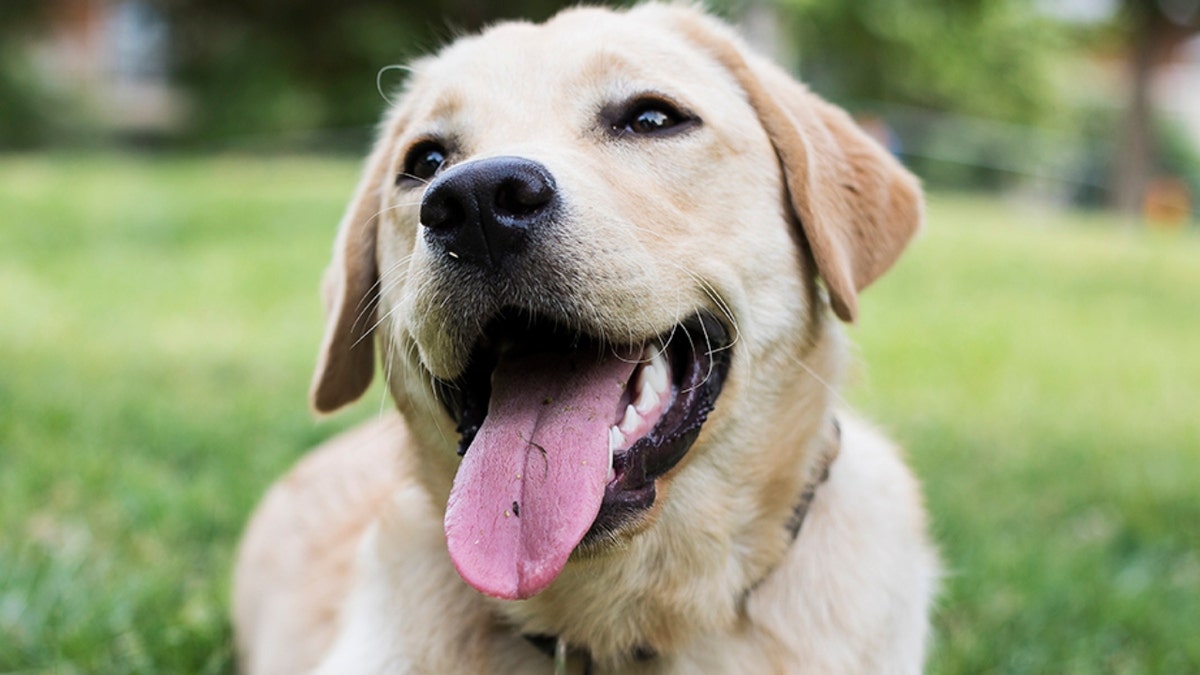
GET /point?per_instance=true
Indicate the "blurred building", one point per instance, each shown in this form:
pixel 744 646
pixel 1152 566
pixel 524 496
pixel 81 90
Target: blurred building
pixel 1177 88
pixel 113 57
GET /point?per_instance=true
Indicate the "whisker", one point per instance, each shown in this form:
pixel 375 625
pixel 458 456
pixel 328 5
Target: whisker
pixel 708 350
pixel 391 312
pixel 820 380
pixel 374 295
pixel 379 80
pixel 423 181
pixel 397 275
pixel 721 304
pixel 388 352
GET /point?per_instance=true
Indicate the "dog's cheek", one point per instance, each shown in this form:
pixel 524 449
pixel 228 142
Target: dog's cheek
pixel 419 299
pixel 609 260
pixel 395 246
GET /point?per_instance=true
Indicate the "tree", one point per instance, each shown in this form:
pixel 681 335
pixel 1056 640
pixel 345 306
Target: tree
pixel 990 58
pixel 1156 29
pixel 28 113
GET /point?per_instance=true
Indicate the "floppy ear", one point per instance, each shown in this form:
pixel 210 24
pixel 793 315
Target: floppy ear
pixel 857 206
pixel 346 363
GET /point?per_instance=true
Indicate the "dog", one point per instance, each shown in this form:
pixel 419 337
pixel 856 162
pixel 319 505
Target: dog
pixel 604 261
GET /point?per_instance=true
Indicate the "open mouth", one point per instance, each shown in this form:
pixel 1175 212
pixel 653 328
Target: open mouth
pixel 563 437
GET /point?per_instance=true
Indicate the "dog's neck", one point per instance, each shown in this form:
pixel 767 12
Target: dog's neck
pixel 715 537
pixel 556 646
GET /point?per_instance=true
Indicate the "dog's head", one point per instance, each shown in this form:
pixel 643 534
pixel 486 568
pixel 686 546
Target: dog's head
pixel 590 252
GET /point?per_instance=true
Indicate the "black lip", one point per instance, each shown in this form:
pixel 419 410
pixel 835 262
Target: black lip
pixel 699 353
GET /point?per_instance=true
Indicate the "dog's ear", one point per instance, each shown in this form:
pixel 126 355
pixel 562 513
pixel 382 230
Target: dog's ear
pixel 857 206
pixel 346 363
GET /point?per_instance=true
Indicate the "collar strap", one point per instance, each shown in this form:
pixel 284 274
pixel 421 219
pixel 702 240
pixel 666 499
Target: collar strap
pixel 829 453
pixel 557 649
pixel 549 645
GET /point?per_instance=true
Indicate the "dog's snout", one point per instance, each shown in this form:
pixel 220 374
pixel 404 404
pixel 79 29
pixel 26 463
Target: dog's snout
pixel 482 211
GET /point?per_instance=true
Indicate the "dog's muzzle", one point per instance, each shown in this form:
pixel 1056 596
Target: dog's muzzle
pixel 564 433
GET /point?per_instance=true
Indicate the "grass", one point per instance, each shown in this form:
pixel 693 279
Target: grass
pixel 1045 373
pixel 160 319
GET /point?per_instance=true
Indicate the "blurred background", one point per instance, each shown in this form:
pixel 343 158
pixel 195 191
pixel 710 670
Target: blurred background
pixel 1089 102
pixel 172 171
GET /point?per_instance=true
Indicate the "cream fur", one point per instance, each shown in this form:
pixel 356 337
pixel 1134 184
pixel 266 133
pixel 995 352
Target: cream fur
pixel 344 568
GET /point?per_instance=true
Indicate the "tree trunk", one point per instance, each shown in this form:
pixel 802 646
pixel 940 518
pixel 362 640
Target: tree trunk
pixel 1134 160
pixel 1155 38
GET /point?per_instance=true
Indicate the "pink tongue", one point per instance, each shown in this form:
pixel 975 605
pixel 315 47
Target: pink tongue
pixel 532 481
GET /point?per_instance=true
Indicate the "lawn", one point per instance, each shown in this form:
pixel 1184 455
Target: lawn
pixel 160 319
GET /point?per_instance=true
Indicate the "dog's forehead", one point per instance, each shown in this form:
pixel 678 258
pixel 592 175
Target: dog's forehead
pixel 579 55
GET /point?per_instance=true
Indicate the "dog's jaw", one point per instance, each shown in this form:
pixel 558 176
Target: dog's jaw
pixel 685 573
pixel 565 439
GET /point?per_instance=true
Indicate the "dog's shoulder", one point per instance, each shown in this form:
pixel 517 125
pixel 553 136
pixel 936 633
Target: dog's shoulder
pixel 297 559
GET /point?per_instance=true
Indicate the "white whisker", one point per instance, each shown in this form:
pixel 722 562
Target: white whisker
pixel 379 80
pixel 388 351
pixel 820 380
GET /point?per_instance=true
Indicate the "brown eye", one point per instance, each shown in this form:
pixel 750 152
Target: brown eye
pixel 651 120
pixel 651 116
pixel 423 162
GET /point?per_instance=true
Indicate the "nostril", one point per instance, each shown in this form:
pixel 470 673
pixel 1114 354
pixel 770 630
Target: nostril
pixel 522 196
pixel 441 212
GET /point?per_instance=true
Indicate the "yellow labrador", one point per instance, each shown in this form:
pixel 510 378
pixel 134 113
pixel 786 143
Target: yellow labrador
pixel 603 260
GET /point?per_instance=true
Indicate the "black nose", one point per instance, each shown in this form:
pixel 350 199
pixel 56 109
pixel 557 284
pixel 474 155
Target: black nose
pixel 482 211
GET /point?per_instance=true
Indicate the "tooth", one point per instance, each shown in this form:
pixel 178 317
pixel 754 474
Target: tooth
pixel 630 422
pixel 656 373
pixel 647 397
pixel 610 452
pixel 616 441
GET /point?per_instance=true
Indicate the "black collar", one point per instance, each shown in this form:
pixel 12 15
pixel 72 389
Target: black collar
pixel 556 649
pixel 830 453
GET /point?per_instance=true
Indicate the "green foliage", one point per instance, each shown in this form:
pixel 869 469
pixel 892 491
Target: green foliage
pixel 991 58
pixel 161 320
pixel 266 70
pixel 31 114
pixel 1178 154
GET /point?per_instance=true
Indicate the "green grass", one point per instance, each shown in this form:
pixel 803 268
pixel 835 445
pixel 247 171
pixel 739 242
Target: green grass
pixel 159 319
pixel 159 324
pixel 1044 373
